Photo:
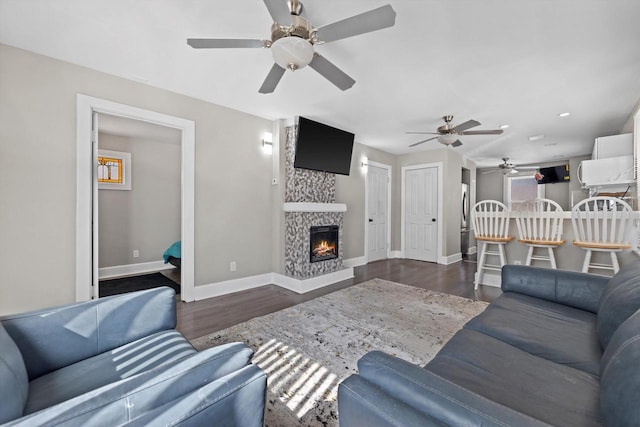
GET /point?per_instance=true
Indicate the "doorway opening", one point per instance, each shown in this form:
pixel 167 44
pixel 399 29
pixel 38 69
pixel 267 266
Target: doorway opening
pixel 139 170
pixel 87 239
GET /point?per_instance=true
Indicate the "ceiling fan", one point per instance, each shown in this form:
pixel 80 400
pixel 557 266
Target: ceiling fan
pixel 447 134
pixel 508 167
pixel 293 38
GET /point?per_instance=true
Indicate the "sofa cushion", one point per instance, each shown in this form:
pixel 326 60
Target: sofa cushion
pixel 553 331
pixel 429 394
pixel 621 298
pixel 542 389
pixel 14 383
pixel 620 375
pixel 123 362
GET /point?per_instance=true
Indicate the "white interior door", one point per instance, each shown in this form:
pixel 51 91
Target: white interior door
pixel 94 206
pixel 421 214
pixel 377 210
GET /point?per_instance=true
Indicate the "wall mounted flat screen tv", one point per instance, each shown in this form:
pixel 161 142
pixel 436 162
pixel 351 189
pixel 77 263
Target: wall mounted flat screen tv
pixel 323 148
pixel 553 174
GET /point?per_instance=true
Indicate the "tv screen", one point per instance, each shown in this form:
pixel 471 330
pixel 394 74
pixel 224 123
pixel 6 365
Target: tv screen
pixel 323 148
pixel 553 174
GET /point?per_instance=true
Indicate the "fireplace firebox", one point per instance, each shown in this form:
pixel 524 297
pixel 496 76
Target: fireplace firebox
pixel 323 243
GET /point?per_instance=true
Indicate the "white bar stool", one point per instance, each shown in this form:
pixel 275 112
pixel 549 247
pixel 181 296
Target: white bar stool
pixel 539 225
pixel 490 220
pixel 602 224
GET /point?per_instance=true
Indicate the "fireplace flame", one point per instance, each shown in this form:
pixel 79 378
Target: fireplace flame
pixel 323 248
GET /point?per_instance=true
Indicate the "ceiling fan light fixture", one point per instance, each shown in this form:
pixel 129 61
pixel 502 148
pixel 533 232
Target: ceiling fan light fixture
pixel 292 52
pixel 447 139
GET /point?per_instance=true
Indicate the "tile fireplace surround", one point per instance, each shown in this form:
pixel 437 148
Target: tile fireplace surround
pixel 309 201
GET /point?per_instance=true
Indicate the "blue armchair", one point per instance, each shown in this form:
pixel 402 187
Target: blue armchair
pixel 120 361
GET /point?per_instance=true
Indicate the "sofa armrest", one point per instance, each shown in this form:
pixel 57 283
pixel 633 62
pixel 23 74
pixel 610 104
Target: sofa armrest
pixel 436 396
pixel 235 400
pixel 360 403
pixel 128 399
pixel 579 290
pixel 56 337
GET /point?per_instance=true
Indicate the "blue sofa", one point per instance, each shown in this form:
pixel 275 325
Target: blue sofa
pixel 555 348
pixel 120 361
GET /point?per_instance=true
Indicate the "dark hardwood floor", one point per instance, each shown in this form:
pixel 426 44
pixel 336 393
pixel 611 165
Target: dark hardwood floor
pixel 199 318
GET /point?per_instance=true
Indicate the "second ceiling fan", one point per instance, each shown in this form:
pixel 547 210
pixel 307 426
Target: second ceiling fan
pixel 447 134
pixel 293 38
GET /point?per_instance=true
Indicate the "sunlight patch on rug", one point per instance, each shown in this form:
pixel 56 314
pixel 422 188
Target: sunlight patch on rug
pixel 308 349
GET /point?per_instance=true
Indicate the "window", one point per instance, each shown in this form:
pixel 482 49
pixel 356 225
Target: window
pixel 521 188
pixel 110 170
pixel 114 170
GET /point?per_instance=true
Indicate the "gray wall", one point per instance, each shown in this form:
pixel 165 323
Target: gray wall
pixel 233 203
pixel 147 217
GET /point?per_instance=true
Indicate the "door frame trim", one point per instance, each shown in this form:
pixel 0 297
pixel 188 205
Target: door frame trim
pixel 440 232
pixel 85 107
pixel 389 169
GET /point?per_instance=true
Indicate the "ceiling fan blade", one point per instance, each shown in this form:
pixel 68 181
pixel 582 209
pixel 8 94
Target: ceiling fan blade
pixel 482 132
pixel 489 171
pixel 423 141
pixel 224 43
pixel 458 143
pixel 330 72
pixel 466 125
pixel 279 11
pixel 272 80
pixel 376 19
pixel 422 133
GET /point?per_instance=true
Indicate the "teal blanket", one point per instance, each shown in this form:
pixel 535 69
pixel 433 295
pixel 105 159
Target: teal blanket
pixel 174 250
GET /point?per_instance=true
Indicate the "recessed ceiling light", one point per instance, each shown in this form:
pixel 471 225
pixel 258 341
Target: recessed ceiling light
pixel 536 137
pixel 503 126
pixel 565 114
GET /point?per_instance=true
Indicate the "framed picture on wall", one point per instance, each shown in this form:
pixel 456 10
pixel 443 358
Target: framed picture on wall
pixel 114 170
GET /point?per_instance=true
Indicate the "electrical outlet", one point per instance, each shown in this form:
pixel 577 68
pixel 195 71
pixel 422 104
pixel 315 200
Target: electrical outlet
pixel 136 253
pixel 232 266
pixel 517 262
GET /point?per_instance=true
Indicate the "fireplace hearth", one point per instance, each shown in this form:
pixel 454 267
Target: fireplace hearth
pixel 323 243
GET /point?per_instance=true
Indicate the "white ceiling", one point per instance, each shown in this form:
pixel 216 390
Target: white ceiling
pixel 497 61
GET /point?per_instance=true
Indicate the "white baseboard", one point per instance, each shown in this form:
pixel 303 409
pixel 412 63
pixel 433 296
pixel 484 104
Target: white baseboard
pixel 355 262
pixel 488 279
pixel 396 254
pixel 446 260
pixel 472 250
pixel 127 270
pixel 296 285
pixel 305 285
pixel 230 286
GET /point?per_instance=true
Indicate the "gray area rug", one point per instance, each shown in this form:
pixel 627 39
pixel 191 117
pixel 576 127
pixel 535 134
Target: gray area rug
pixel 309 348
